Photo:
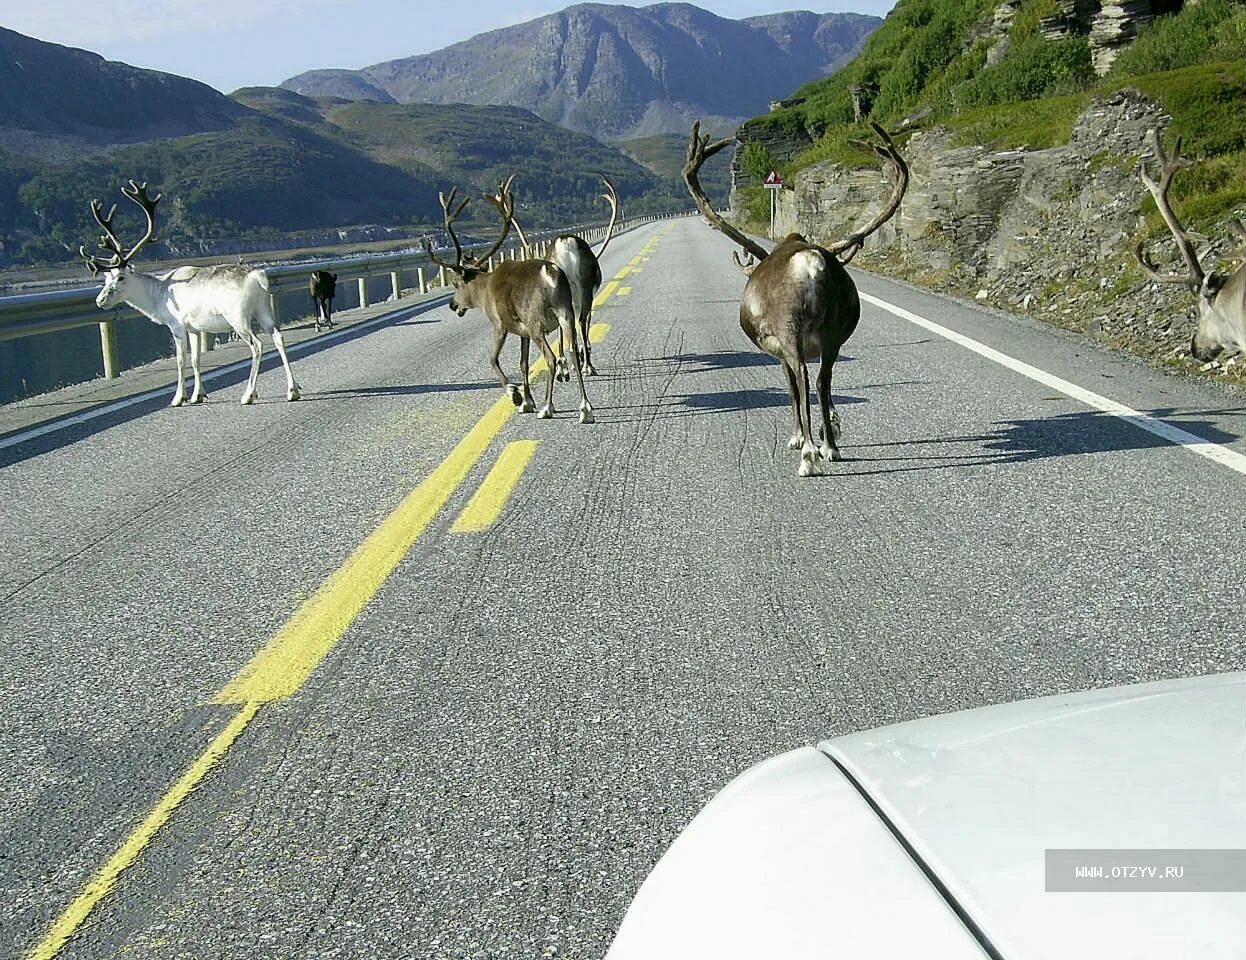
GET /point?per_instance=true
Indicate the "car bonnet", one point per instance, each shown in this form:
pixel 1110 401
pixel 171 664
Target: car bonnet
pixel 980 796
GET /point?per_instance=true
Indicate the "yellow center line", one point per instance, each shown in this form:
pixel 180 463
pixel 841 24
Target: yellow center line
pixel 129 851
pixel 286 662
pixel 283 665
pixel 605 294
pixel 483 510
pixel 624 291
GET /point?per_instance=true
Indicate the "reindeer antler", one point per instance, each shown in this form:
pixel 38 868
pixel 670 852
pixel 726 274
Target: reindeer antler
pixel 1159 190
pixel 504 201
pixel 699 150
pixel 448 217
pixel 119 255
pixel 848 248
pixel 611 197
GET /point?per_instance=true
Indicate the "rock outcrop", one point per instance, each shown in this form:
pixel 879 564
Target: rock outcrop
pixel 1045 231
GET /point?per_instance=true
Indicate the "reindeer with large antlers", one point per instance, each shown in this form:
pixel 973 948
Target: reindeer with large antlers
pixel 529 298
pixel 574 257
pixel 187 300
pixel 799 301
pixel 1221 299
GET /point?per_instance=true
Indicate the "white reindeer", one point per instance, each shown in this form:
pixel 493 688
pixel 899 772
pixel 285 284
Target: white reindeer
pixel 187 300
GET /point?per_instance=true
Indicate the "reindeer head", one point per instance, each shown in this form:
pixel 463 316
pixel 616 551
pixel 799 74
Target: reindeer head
pixel 115 266
pixel 1221 298
pixel 466 272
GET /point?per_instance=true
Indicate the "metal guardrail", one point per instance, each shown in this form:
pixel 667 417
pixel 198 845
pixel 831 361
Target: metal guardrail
pixel 32 314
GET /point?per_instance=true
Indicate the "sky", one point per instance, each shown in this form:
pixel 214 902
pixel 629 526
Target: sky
pixel 239 43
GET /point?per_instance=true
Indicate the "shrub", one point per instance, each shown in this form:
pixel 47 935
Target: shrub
pixel 1209 30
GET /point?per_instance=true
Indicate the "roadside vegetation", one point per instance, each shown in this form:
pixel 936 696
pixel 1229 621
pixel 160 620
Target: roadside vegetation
pixel 928 62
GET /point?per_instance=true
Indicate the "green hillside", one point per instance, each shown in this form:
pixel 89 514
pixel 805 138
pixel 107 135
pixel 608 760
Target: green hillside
pixel 929 61
pixel 264 177
pixel 664 154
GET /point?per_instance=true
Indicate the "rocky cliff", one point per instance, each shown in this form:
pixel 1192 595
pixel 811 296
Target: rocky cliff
pixel 1050 232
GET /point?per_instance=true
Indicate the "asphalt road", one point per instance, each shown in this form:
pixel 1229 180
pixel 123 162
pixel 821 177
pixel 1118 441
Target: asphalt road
pixel 504 740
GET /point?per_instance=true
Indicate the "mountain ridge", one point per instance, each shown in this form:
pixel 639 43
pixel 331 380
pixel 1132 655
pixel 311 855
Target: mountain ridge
pixel 616 72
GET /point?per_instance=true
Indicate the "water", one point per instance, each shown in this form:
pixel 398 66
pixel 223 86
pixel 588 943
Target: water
pixel 34 365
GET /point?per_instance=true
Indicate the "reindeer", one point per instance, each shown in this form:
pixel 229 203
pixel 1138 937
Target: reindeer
pixel 187 300
pixel 576 259
pixel 799 300
pixel 529 298
pixel 1221 299
pixel 323 286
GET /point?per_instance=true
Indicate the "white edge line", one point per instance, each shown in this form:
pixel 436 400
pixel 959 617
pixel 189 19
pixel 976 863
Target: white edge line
pixel 294 349
pixel 1204 448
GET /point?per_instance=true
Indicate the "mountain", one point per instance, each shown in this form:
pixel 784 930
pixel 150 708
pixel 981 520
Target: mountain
pixel 617 72
pixel 55 101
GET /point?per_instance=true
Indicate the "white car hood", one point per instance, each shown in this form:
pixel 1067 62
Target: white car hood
pixel 789 862
pixel 980 796
pixel 927 839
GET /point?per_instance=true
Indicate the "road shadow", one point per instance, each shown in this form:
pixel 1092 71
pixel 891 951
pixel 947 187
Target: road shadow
pixel 87 422
pixel 1024 441
pixel 723 401
pixel 405 390
pixel 725 359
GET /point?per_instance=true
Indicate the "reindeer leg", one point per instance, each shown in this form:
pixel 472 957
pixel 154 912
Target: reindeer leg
pixel 512 391
pixel 292 388
pixel 586 321
pixel 810 459
pixel 586 408
pixel 248 395
pixel 179 349
pixel 198 394
pixel 525 344
pixel 547 411
pixel 794 442
pixel 563 375
pixel 830 416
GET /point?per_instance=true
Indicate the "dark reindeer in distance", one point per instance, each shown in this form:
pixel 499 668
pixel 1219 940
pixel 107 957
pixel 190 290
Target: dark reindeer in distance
pixel 799 301
pixel 323 287
pixel 1221 299
pixel 529 298
pixel 577 259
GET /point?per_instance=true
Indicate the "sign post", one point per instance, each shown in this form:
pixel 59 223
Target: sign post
pixel 772 183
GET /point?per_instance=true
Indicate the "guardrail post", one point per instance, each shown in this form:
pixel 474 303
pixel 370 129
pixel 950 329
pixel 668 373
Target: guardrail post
pixel 363 291
pixel 419 276
pixel 441 276
pixel 207 343
pixel 274 303
pixel 108 347
pixel 395 284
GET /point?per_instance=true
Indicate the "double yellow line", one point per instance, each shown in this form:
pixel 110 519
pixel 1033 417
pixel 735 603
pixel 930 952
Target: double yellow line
pixel 283 665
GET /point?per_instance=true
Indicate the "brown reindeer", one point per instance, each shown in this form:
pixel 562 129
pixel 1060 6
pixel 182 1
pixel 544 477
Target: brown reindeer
pixel 529 298
pixel 799 302
pixel 1221 299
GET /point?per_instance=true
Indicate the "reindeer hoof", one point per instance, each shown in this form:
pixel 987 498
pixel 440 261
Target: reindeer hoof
pixel 827 452
pixel 794 443
pixel 198 398
pixel 528 406
pixel 546 413
pixel 809 467
pixel 515 395
pixel 247 399
pixel 586 415
pixel 590 370
pixel 177 401
pixel 294 394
